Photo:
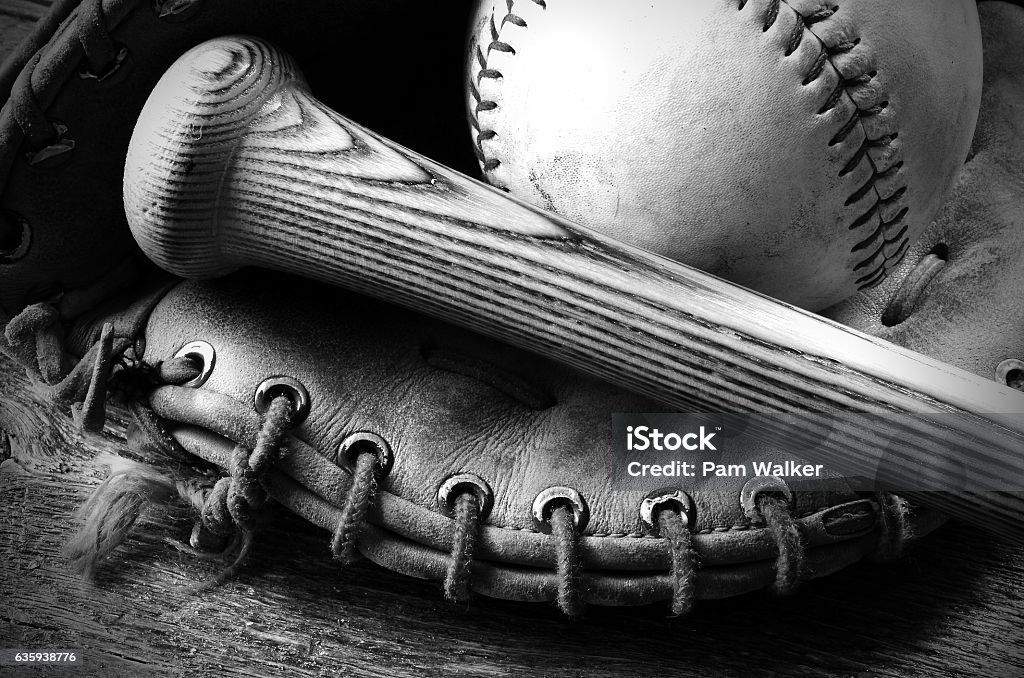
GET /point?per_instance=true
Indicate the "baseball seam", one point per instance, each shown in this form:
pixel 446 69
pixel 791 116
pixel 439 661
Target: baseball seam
pixel 887 244
pixel 877 253
pixel 490 163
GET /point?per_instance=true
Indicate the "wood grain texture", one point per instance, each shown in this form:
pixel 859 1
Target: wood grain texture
pixel 233 163
pixel 953 606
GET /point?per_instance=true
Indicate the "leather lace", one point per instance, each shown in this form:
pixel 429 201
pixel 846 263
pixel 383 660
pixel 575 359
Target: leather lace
pixel 100 53
pixel 789 563
pixel 569 560
pixel 893 526
pixel 464 536
pixel 35 337
pixel 674 531
pixel 357 503
pixel 229 516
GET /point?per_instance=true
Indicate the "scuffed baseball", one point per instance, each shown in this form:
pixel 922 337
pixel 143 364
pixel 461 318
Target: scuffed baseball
pixel 796 147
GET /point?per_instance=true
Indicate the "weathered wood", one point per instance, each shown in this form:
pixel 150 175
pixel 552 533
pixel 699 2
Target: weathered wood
pixel 952 606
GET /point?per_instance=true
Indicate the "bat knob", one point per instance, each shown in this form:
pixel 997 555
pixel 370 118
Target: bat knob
pixel 181 153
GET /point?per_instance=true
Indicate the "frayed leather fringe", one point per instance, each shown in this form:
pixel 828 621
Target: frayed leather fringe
pixel 108 516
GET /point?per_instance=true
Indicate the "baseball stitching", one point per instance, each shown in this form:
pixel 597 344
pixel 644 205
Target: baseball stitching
pixel 489 164
pixel 887 233
pixel 887 244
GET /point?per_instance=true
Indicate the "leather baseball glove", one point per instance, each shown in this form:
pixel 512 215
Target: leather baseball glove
pixel 425 448
pixel 444 455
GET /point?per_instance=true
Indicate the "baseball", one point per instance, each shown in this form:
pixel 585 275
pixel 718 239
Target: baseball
pixel 795 147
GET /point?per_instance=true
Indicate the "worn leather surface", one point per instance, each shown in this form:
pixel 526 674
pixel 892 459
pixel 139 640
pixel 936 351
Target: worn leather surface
pixel 685 128
pixel 72 203
pixel 971 312
pixel 449 402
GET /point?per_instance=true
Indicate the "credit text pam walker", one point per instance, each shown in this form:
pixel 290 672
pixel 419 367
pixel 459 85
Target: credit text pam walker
pixel 641 438
pixel 706 469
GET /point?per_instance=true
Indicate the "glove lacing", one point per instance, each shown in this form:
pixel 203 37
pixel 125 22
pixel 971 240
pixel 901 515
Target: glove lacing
pixel 568 559
pixel 228 512
pixel 464 537
pixel 230 509
pixel 358 502
pixel 894 526
pixel 49 138
pixel 673 529
pixel 789 564
pixel 227 524
pixel 35 337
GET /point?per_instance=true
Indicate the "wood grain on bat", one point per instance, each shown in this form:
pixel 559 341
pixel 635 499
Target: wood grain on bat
pixel 234 164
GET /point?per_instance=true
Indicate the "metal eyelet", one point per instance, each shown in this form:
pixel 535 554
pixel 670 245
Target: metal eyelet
pixel 59 146
pixel 551 497
pixel 173 11
pixel 288 387
pixel 356 443
pixel 15 236
pixel 465 482
pixel 202 353
pixel 1011 373
pixel 665 499
pixel 755 486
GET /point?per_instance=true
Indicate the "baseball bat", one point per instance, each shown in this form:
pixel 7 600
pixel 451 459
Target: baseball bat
pixel 233 163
